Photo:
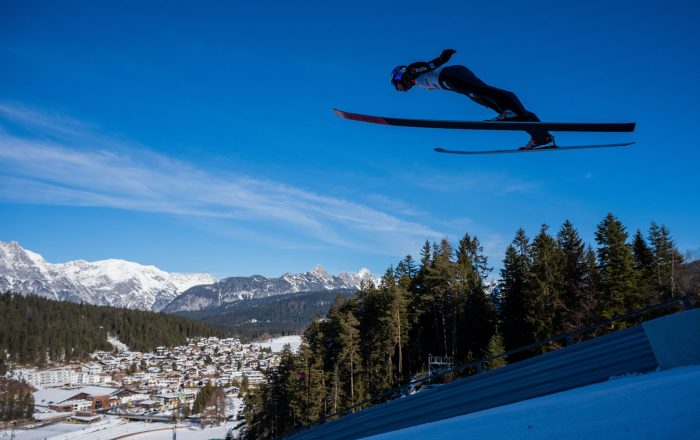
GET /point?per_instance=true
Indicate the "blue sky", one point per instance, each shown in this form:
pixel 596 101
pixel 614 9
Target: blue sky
pixel 200 137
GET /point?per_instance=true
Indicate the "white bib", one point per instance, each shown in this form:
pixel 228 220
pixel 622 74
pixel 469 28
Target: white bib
pixel 430 80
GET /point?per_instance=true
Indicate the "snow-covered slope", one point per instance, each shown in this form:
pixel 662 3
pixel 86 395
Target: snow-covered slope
pixel 234 289
pixel 659 405
pixel 111 282
pixel 277 344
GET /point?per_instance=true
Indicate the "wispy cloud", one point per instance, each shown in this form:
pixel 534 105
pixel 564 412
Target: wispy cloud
pixel 396 205
pixel 496 184
pixel 50 158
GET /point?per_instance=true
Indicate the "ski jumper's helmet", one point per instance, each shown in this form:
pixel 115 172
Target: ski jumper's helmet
pixel 400 80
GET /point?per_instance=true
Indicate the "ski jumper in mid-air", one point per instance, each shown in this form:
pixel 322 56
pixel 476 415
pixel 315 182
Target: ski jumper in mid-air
pixel 434 75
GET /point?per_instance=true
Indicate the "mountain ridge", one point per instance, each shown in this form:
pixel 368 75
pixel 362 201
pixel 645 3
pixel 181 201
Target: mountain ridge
pixel 233 289
pixel 110 282
pixel 122 283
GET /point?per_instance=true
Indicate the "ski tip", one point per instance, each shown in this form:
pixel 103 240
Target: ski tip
pixel 360 117
pixel 439 150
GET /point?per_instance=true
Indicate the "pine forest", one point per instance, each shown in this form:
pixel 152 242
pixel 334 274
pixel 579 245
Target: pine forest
pixel 381 338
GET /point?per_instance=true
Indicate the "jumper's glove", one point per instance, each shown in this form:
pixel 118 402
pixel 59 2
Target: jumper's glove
pixel 446 54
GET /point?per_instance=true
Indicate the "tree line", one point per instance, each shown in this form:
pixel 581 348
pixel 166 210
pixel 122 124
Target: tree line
pixel 439 305
pixel 36 330
pixel 16 400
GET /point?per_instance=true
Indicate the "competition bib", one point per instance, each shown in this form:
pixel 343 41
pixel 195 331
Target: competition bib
pixel 430 80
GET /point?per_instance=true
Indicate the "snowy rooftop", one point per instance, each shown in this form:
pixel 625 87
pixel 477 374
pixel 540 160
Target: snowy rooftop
pixel 57 395
pixel 53 395
pixel 97 391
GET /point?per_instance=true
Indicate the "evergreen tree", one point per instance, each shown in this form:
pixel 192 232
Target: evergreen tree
pixel 495 348
pixel 644 266
pixel 376 331
pixel 396 289
pixel 16 400
pixel 666 261
pixel 443 301
pixel 245 385
pixel 618 291
pixel 544 285
pixel 202 398
pixel 406 271
pixel 587 312
pixel 422 338
pixel 516 323
pixel 575 287
pixel 477 319
pixel 343 329
pixel 259 415
pixel 287 384
pixel 3 366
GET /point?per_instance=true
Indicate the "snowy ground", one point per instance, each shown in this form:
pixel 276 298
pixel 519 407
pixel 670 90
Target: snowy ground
pixel 113 427
pixel 659 405
pixel 189 433
pixel 116 343
pixel 277 344
pixel 108 428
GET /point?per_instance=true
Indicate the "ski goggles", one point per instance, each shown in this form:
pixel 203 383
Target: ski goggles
pixel 397 75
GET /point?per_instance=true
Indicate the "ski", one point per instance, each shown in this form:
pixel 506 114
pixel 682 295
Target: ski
pixel 534 150
pixel 492 125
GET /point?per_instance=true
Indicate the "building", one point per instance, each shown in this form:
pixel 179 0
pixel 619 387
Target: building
pixel 54 377
pixel 84 417
pixel 99 397
pixel 254 377
pixel 92 369
pixel 76 399
pixel 127 396
pixel 168 401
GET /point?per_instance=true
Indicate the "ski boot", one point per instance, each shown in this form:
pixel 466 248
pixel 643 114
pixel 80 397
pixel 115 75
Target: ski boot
pixel 543 142
pixel 507 115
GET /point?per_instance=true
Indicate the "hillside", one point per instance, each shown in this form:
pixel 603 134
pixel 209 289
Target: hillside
pixel 36 330
pixel 271 316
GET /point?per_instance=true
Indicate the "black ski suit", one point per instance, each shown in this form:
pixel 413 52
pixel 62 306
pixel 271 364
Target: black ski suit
pixel 433 76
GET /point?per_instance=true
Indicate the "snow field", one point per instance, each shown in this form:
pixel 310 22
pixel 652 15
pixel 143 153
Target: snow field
pixel 658 405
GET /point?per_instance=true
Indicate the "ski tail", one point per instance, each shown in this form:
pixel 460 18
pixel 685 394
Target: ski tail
pixel 534 150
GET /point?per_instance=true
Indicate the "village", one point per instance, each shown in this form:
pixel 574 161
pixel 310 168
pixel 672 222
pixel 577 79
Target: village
pixel 161 386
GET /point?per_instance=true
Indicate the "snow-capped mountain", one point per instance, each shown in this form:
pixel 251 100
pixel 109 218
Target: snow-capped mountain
pixel 230 290
pixel 111 282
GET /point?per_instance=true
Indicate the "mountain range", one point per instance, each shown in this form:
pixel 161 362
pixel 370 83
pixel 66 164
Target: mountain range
pixel 112 282
pixel 234 289
pixel 122 283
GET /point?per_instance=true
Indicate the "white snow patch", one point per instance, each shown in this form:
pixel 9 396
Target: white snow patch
pixel 116 343
pixel 277 344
